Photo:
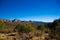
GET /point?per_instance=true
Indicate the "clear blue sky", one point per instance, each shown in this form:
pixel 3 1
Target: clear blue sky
pixel 37 10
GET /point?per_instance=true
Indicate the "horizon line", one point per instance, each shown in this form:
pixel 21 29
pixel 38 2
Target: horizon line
pixel 30 19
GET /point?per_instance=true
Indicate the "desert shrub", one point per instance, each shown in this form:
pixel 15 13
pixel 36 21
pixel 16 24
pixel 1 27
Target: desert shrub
pixel 42 27
pixel 3 28
pixel 25 27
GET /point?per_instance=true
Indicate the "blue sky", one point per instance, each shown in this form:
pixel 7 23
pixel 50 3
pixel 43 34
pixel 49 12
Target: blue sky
pixel 36 10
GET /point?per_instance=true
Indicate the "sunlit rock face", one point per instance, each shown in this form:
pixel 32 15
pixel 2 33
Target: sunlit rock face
pixel 6 20
pixel 16 20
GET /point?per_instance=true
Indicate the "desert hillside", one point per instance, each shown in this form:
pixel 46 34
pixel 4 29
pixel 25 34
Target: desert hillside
pixel 29 30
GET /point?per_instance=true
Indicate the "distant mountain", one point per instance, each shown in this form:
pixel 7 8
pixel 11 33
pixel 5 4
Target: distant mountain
pixel 19 21
pixel 16 20
pixel 40 22
pixel 36 22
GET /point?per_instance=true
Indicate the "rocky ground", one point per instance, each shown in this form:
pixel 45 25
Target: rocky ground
pixel 36 35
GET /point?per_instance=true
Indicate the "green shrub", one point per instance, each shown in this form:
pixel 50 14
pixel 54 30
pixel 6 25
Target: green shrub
pixel 25 27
